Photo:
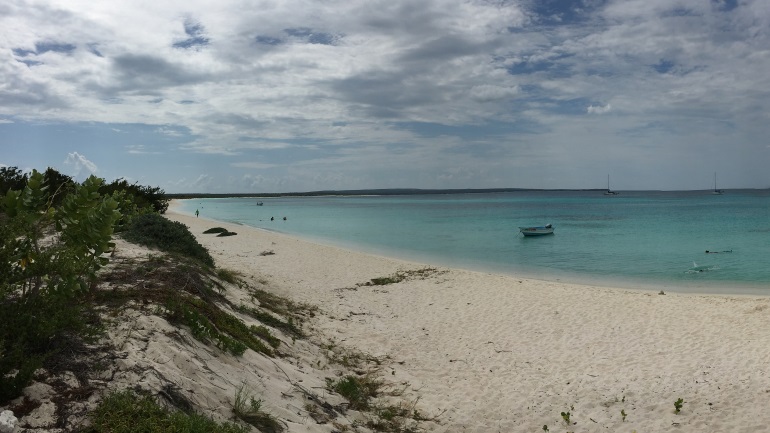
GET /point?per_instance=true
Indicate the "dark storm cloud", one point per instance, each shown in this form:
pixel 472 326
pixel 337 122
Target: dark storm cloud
pixel 445 48
pixel 145 74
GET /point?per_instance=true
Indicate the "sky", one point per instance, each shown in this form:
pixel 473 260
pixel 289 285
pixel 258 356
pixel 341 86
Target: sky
pixel 303 95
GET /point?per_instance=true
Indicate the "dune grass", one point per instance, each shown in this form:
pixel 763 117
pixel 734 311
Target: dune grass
pixel 126 412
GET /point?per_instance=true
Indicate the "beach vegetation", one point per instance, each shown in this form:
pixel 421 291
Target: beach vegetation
pixel 12 179
pixel 400 276
pixel 397 418
pixel 566 417
pixel 265 334
pixel 249 409
pixel 358 390
pixel 209 323
pixel 49 257
pixel 191 295
pixel 229 276
pixel 59 186
pixel 349 358
pixel 293 311
pixel 127 412
pixel 155 231
pixel 145 198
pixel 272 320
pixel 678 405
pixel 55 288
pixel 623 414
pixel 365 392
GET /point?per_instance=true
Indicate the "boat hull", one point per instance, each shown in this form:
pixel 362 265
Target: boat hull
pixel 536 231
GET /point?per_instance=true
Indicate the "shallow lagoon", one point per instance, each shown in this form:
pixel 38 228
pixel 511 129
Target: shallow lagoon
pixel 636 239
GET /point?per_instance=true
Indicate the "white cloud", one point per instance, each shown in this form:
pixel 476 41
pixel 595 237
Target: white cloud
pixel 79 164
pixel 599 109
pixel 141 149
pixel 487 92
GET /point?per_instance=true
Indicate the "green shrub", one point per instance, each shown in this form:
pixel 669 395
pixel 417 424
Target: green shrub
pixel 153 230
pixel 126 412
pixel 249 409
pixel 209 322
pixel 357 390
pixel 270 320
pixel 146 198
pixel 44 277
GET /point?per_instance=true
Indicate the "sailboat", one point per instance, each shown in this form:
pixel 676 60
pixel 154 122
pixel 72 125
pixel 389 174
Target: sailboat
pixel 716 191
pixel 609 191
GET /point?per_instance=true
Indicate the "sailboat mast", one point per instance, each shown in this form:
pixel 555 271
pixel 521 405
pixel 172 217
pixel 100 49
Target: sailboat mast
pixel 716 191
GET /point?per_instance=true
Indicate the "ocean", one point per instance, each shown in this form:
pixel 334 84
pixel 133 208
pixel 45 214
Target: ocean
pixel 639 239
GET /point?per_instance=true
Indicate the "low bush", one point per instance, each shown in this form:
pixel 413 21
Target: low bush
pixel 359 391
pixel 153 230
pixel 126 412
pixel 249 409
pixel 48 262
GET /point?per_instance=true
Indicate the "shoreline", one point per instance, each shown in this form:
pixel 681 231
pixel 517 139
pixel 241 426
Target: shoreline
pixel 709 288
pixel 494 352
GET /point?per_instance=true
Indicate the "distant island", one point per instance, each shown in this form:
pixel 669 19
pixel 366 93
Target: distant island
pixel 351 192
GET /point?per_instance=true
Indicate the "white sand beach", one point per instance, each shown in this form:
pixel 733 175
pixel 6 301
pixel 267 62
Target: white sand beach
pixel 492 353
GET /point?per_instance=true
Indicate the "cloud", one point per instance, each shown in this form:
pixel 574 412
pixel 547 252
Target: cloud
pixel 314 84
pixel 487 92
pixel 599 109
pixel 79 164
pixel 141 149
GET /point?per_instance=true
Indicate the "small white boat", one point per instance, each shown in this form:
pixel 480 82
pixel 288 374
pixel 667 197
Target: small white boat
pixel 537 231
pixel 609 191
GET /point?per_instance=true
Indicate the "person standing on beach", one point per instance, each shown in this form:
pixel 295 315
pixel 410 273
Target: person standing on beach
pixel 196 213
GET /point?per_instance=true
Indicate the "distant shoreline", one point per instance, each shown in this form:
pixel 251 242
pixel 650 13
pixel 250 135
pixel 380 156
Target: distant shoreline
pixel 416 191
pixel 363 192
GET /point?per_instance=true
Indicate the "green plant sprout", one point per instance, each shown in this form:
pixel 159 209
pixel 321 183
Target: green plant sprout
pixel 565 417
pixel 623 414
pixel 678 405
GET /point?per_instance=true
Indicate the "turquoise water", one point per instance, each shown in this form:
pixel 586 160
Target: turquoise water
pixel 636 239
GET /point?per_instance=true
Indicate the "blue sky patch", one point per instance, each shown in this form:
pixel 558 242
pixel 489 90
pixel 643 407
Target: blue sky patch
pixel 197 37
pixel 44 47
pixel 663 66
pixel 267 40
pixel 311 36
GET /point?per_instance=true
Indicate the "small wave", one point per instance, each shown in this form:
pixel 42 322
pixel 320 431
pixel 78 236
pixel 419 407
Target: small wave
pixel 695 269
